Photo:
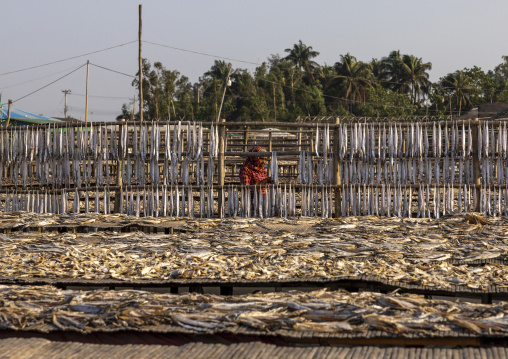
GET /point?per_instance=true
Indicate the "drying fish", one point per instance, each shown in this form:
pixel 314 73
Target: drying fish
pixel 320 311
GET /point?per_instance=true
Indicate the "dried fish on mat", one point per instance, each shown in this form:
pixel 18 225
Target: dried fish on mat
pixel 445 253
pixel 27 307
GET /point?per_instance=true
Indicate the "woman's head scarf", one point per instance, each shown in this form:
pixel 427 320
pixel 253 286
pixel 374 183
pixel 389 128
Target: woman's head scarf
pixel 255 161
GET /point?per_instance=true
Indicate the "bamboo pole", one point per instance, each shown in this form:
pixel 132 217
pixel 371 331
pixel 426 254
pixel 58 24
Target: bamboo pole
pixel 8 113
pixel 233 124
pixel 336 170
pixel 221 164
pixel 86 100
pixel 119 179
pixel 477 174
pixel 270 138
pixel 140 58
pixel 224 93
pixel 299 139
pixel 196 187
pixel 246 140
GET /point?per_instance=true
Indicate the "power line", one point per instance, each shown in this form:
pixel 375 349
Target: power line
pixel 200 53
pixel 118 72
pixel 39 78
pixel 31 93
pixel 69 58
pixel 104 97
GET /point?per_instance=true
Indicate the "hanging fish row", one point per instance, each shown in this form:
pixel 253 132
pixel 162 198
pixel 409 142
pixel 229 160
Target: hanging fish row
pixel 370 142
pixel 416 171
pixel 402 171
pixel 282 201
pixel 422 202
pixel 180 201
pixel 62 157
pixel 106 141
pixel 151 154
pixel 492 140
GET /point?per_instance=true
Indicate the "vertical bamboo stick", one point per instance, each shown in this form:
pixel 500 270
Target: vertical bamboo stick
pixel 8 113
pixel 336 169
pixel 270 139
pixel 299 139
pixel 119 164
pixel 140 58
pixel 246 139
pixel 86 101
pixel 477 174
pixel 221 169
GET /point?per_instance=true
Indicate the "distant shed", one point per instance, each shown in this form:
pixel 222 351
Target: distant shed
pixel 492 110
pixel 23 118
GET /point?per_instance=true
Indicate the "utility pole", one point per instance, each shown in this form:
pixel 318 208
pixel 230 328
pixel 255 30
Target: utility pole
pixel 66 92
pixel 226 84
pixel 8 113
pixel 140 67
pixel 86 102
pixel 274 104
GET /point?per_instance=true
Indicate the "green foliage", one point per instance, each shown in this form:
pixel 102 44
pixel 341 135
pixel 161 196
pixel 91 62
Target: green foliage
pixel 351 81
pixel 458 89
pixel 165 93
pixel 301 56
pixel 283 88
pixel 485 85
pixel 406 74
pixel 382 102
pixel 500 78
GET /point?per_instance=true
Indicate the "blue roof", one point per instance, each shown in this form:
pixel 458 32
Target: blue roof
pixel 20 115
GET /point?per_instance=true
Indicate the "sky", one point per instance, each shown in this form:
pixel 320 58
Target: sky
pixel 46 44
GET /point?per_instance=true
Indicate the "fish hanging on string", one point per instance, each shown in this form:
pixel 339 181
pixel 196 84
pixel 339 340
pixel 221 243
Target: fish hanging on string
pixel 275 169
pixel 316 142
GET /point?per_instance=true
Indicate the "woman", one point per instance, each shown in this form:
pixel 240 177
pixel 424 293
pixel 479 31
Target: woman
pixel 253 171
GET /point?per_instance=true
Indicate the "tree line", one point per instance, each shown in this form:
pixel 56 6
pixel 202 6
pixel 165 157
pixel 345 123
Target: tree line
pixel 285 87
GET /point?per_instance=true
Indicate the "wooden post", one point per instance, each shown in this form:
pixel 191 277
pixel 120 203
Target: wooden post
pixel 224 93
pixel 221 169
pixel 8 113
pixel 246 140
pixel 270 138
pixel 119 179
pixel 477 174
pixel 300 139
pixel 140 57
pixel 336 170
pixel 86 100
pixel 226 140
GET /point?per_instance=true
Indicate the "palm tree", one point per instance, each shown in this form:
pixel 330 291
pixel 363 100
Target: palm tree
pixel 219 70
pixel 353 78
pixel 380 72
pixel 392 64
pixel 414 77
pixel 301 56
pixel 325 73
pixel 459 89
pixel 407 74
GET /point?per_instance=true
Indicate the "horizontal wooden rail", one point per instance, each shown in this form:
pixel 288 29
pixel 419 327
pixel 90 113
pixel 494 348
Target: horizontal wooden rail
pixel 242 124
